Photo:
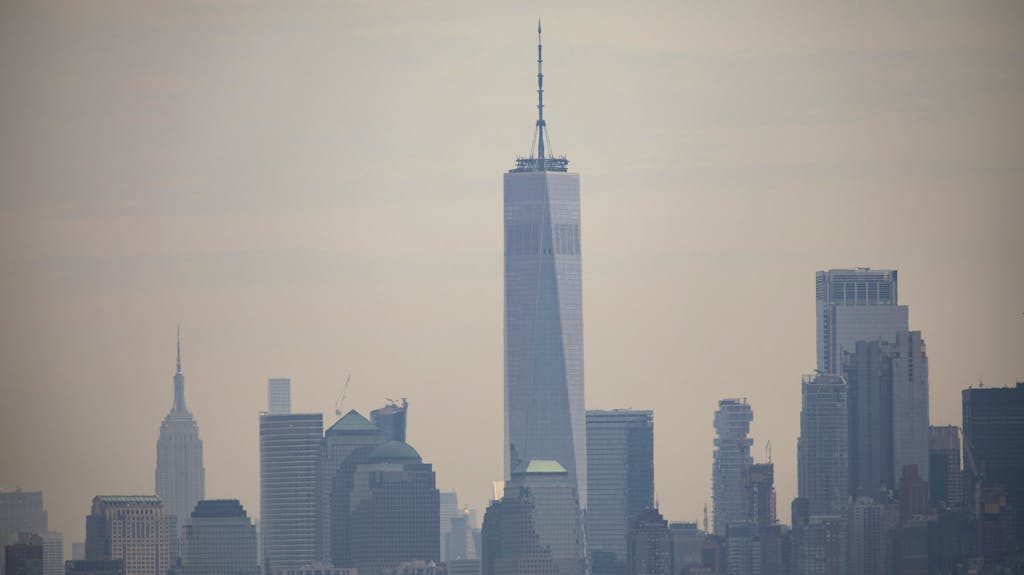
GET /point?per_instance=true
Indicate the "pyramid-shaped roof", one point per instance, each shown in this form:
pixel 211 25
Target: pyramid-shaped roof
pixel 353 422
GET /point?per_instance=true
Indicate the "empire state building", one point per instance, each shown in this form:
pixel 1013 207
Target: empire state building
pixel 544 411
pixel 180 477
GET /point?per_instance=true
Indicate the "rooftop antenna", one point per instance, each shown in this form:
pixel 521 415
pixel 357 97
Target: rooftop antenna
pixel 540 99
pixel 705 516
pixel 179 350
pixel 768 450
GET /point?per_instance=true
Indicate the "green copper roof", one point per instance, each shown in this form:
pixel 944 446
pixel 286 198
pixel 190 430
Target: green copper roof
pixel 544 466
pixel 352 422
pixel 394 451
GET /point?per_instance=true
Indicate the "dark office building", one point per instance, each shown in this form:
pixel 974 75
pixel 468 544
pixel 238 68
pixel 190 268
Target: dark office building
pixel 945 483
pixel 219 540
pixel 649 545
pixel 994 450
pixel 868 373
pixel 24 556
pixel 395 510
pixel 94 567
pixel 391 420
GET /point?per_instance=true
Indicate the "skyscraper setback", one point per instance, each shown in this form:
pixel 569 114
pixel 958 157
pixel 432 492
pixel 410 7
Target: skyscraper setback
pixel 544 411
pixel 180 477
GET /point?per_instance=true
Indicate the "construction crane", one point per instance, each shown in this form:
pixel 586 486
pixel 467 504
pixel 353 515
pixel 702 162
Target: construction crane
pixel 341 398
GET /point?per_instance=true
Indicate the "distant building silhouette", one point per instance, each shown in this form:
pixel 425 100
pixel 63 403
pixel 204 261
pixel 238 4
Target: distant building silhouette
pixel 219 540
pixel 993 440
pixel 391 420
pixel 910 403
pixel 94 567
pixel 687 541
pixel 871 530
pixel 24 555
pixel 731 464
pixel 394 510
pixel 131 529
pixel 543 321
pixel 23 512
pixel 649 545
pixel 822 473
pixel 279 396
pixel 869 377
pixel 536 527
pixel 945 476
pixel 855 305
pixel 290 488
pixel 620 474
pixel 180 476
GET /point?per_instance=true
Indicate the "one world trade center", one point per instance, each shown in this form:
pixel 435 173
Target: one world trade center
pixel 544 411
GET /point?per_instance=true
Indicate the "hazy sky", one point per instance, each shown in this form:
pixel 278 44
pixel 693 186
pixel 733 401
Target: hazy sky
pixel 314 189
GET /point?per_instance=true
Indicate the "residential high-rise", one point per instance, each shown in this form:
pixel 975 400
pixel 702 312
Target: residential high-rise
pixel 731 464
pixel 994 454
pixel 855 305
pixel 132 529
pixel 822 473
pixel 219 540
pixel 394 510
pixel 620 475
pixel 180 477
pixel 648 545
pixel 347 443
pixel 945 479
pixel 910 403
pixel 279 396
pixel 291 489
pixel 536 527
pixel 543 335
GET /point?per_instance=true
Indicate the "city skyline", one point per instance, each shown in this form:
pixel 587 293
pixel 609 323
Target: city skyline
pixel 302 277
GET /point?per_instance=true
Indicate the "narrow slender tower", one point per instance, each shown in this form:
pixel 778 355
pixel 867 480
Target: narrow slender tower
pixel 180 477
pixel 544 411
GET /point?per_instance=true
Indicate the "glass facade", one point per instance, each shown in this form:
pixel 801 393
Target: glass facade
pixel 823 479
pixel 544 411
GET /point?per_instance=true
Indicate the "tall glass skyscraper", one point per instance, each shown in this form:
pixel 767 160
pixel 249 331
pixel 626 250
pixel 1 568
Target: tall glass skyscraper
pixel 822 473
pixel 544 412
pixel 180 476
pixel 855 305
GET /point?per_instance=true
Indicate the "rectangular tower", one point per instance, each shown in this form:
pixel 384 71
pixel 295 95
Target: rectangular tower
pixel 131 529
pixel 620 475
pixel 544 412
pixel 855 305
pixel 822 471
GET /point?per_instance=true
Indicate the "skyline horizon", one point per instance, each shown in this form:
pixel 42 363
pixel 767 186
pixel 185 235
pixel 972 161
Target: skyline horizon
pixel 298 237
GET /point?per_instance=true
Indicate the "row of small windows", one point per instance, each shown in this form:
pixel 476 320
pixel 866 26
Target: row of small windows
pixel 531 239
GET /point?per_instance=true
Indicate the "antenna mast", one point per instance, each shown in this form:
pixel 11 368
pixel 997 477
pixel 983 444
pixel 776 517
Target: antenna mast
pixel 540 99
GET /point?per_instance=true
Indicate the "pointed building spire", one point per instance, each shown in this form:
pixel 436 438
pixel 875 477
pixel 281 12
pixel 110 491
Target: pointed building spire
pixel 179 382
pixel 540 98
pixel 179 349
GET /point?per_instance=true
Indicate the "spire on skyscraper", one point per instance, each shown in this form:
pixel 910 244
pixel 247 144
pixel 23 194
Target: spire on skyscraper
pixel 179 382
pixel 179 350
pixel 541 159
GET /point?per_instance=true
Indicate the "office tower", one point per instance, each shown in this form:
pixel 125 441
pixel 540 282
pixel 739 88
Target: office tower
pixel 869 379
pixel 78 550
pixel 994 450
pixel 822 446
pixel 131 529
pixel 219 539
pixel 817 544
pixel 94 567
pixel 944 475
pixel 347 443
pixel 910 403
pixel 180 477
pixel 743 547
pixel 731 464
pixel 24 555
pixel 290 488
pixel 544 413
pixel 53 552
pixel 391 419
pixel 855 305
pixel 761 479
pixel 536 528
pixel 449 510
pixel 394 510
pixel 20 512
pixel 648 545
pixel 871 528
pixel 687 541
pixel 620 475
pixel 279 396
pixel 461 541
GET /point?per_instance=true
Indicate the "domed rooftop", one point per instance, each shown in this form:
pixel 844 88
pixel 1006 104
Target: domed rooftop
pixel 394 451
